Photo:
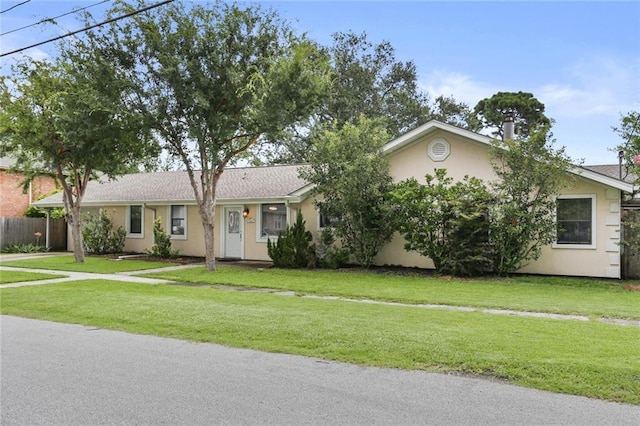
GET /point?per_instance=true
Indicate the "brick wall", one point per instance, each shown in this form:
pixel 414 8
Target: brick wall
pixel 13 201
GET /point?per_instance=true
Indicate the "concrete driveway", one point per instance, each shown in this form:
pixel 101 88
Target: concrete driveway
pixel 76 375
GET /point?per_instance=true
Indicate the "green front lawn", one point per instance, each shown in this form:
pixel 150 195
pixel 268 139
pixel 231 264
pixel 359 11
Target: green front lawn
pixel 600 298
pixel 100 265
pixel 583 358
pixel 8 277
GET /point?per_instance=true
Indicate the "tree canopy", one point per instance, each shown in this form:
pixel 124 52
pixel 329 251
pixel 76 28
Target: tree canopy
pixel 531 173
pixel 66 119
pixel 527 112
pixel 212 82
pixel 353 179
pixel 629 132
pixel 369 80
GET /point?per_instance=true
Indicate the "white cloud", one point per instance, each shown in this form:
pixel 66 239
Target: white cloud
pixel 595 86
pixel 458 85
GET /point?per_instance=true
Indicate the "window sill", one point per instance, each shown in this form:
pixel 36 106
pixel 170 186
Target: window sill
pixel 574 246
pixel 178 237
pixel 135 236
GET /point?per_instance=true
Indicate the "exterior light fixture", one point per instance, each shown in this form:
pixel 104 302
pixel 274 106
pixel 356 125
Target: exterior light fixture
pixel 245 212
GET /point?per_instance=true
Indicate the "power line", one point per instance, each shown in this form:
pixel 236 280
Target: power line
pixel 14 6
pixel 42 21
pixel 135 12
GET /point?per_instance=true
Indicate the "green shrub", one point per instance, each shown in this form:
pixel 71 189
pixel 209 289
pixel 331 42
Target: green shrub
pixel 33 211
pixel 446 222
pixel 293 249
pixel 100 237
pixel 162 243
pixel 330 256
pixel 24 248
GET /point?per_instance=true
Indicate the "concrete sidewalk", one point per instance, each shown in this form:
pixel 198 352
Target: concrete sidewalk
pixel 126 276
pixel 131 277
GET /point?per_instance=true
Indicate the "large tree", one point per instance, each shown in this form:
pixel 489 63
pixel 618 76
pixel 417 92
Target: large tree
pixel 531 173
pixel 213 81
pixel 526 110
pixel 368 80
pixel 66 118
pixel 353 178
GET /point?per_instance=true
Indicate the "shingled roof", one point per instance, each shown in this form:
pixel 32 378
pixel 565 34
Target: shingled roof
pixel 243 183
pixel 612 170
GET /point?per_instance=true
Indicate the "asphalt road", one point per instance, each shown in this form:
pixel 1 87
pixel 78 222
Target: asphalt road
pixel 76 375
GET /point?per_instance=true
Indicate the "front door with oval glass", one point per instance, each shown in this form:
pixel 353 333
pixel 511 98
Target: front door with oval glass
pixel 233 232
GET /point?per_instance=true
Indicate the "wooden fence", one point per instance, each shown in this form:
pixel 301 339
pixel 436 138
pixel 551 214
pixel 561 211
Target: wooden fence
pixel 22 230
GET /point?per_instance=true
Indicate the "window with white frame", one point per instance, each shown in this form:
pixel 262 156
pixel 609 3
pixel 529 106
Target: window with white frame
pixel 576 221
pixel 135 221
pixel 273 220
pixel 178 221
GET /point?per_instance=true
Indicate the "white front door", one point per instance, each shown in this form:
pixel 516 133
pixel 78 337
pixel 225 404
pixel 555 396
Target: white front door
pixel 233 227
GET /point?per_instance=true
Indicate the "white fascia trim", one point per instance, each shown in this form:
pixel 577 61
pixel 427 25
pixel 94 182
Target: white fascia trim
pixel 234 201
pixel 605 180
pixel 430 127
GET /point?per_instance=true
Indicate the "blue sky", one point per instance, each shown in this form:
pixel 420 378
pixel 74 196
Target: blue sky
pixel 581 59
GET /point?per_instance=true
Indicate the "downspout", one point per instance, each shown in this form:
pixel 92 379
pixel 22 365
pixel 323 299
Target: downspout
pixel 47 230
pixel 144 206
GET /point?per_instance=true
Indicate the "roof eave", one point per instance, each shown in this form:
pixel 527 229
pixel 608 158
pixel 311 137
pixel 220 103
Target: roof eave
pixel 430 127
pixel 603 179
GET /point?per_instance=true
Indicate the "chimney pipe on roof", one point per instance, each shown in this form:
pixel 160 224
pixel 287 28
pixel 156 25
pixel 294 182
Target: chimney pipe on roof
pixel 508 126
pixel 620 158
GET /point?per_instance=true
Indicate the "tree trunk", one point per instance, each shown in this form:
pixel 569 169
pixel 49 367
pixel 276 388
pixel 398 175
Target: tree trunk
pixel 208 216
pixel 76 233
pixel 209 240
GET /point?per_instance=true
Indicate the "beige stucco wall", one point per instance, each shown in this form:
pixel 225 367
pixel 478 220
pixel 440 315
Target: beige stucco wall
pixel 601 261
pixel 466 158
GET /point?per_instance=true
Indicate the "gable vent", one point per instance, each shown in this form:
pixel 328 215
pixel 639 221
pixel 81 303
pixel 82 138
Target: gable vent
pixel 439 149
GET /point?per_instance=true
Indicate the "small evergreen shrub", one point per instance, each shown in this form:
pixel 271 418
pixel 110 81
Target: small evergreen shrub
pixel 330 256
pixel 294 248
pixel 100 237
pixel 162 243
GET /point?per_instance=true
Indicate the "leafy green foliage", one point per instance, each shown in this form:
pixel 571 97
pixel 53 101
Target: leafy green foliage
pixel 33 211
pixel 161 242
pixel 24 248
pixel 629 132
pixel 527 111
pixel 369 80
pixel 99 236
pixel 54 213
pixel 294 248
pixel 66 119
pixel 328 254
pixel 213 81
pixel 347 169
pixel 446 222
pixel 531 173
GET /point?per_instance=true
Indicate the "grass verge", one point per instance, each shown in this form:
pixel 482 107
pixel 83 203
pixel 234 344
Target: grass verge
pixel 100 265
pixel 583 296
pixel 583 358
pixel 8 277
